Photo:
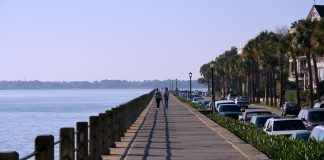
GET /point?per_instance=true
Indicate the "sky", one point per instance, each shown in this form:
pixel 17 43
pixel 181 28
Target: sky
pixel 82 40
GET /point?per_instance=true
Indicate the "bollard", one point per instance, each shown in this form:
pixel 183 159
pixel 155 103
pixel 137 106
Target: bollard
pixel 82 141
pixel 44 146
pixel 95 146
pixel 104 127
pixel 67 144
pixel 10 155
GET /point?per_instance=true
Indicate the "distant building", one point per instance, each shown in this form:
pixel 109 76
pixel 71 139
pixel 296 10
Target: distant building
pixel 315 14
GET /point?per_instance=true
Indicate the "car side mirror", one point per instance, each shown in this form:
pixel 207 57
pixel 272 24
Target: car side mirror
pixel 268 129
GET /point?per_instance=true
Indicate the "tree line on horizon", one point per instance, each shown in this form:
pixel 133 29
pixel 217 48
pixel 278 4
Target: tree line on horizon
pixel 103 84
pixel 262 67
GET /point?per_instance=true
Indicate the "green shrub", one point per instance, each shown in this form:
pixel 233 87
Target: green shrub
pixel 276 147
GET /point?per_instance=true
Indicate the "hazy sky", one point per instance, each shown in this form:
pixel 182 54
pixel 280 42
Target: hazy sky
pixel 129 39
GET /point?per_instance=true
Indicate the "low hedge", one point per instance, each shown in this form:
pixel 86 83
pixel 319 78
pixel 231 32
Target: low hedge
pixel 276 147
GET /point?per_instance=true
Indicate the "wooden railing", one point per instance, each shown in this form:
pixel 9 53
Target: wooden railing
pixel 93 139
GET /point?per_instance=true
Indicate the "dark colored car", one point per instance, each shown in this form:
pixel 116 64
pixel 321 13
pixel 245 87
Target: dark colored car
pixel 247 114
pixel 311 117
pixel 242 101
pixel 289 108
pixel 229 110
pixel 259 120
pixel 302 135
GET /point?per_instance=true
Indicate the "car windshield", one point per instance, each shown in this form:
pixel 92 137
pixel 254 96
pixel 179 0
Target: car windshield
pixel 250 114
pixel 242 99
pixel 316 116
pixel 228 108
pixel 291 105
pixel 260 121
pixel 288 125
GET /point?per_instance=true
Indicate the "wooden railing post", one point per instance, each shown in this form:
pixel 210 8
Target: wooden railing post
pixel 103 125
pixel 67 143
pixel 111 141
pixel 10 155
pixel 82 141
pixel 114 124
pixel 95 138
pixel 44 146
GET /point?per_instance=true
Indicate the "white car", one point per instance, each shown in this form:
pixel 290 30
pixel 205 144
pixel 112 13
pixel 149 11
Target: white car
pixel 217 103
pixel 284 126
pixel 317 133
pixel 319 105
pixel 198 100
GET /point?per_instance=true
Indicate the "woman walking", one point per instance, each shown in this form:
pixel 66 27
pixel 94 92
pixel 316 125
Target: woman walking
pixel 158 98
pixel 166 97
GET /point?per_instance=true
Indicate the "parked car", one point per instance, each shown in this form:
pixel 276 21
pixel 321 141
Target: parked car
pixel 259 120
pixel 285 126
pixel 231 97
pixel 317 134
pixel 229 110
pixel 289 108
pixel 206 104
pixel 311 117
pixel 198 100
pixel 302 135
pixel 194 96
pixel 242 101
pixel 247 114
pixel 319 105
pixel 217 103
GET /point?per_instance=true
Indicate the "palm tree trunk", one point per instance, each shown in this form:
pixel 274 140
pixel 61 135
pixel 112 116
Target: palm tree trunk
pixel 271 86
pixel 281 68
pixel 254 82
pixel 267 88
pixel 310 76
pixel 258 83
pixel 249 84
pixel 316 77
pixel 297 82
pixel 274 86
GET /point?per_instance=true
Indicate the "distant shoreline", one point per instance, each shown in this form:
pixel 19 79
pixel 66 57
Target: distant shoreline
pixel 103 84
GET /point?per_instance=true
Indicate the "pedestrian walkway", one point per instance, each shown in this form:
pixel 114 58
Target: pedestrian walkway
pixel 180 132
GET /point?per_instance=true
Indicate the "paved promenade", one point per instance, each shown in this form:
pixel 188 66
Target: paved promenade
pixel 180 132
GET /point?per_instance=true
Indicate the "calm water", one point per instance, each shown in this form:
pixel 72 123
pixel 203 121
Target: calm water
pixel 24 114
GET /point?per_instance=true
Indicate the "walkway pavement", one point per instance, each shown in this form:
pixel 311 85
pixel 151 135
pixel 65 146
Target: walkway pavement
pixel 180 132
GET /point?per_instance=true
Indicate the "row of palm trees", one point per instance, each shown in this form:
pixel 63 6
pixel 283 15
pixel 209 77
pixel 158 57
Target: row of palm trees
pixel 263 65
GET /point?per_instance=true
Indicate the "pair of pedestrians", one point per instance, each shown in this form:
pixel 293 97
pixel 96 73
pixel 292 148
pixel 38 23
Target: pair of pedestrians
pixel 158 97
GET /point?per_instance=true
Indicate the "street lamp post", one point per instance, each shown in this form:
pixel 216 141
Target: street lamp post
pixel 212 87
pixel 176 87
pixel 190 75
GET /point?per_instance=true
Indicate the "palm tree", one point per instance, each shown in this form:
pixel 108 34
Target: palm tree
pixel 317 41
pixel 282 49
pixel 205 74
pixel 302 36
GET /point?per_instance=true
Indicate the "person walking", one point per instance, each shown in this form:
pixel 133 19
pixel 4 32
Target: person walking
pixel 166 97
pixel 158 98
